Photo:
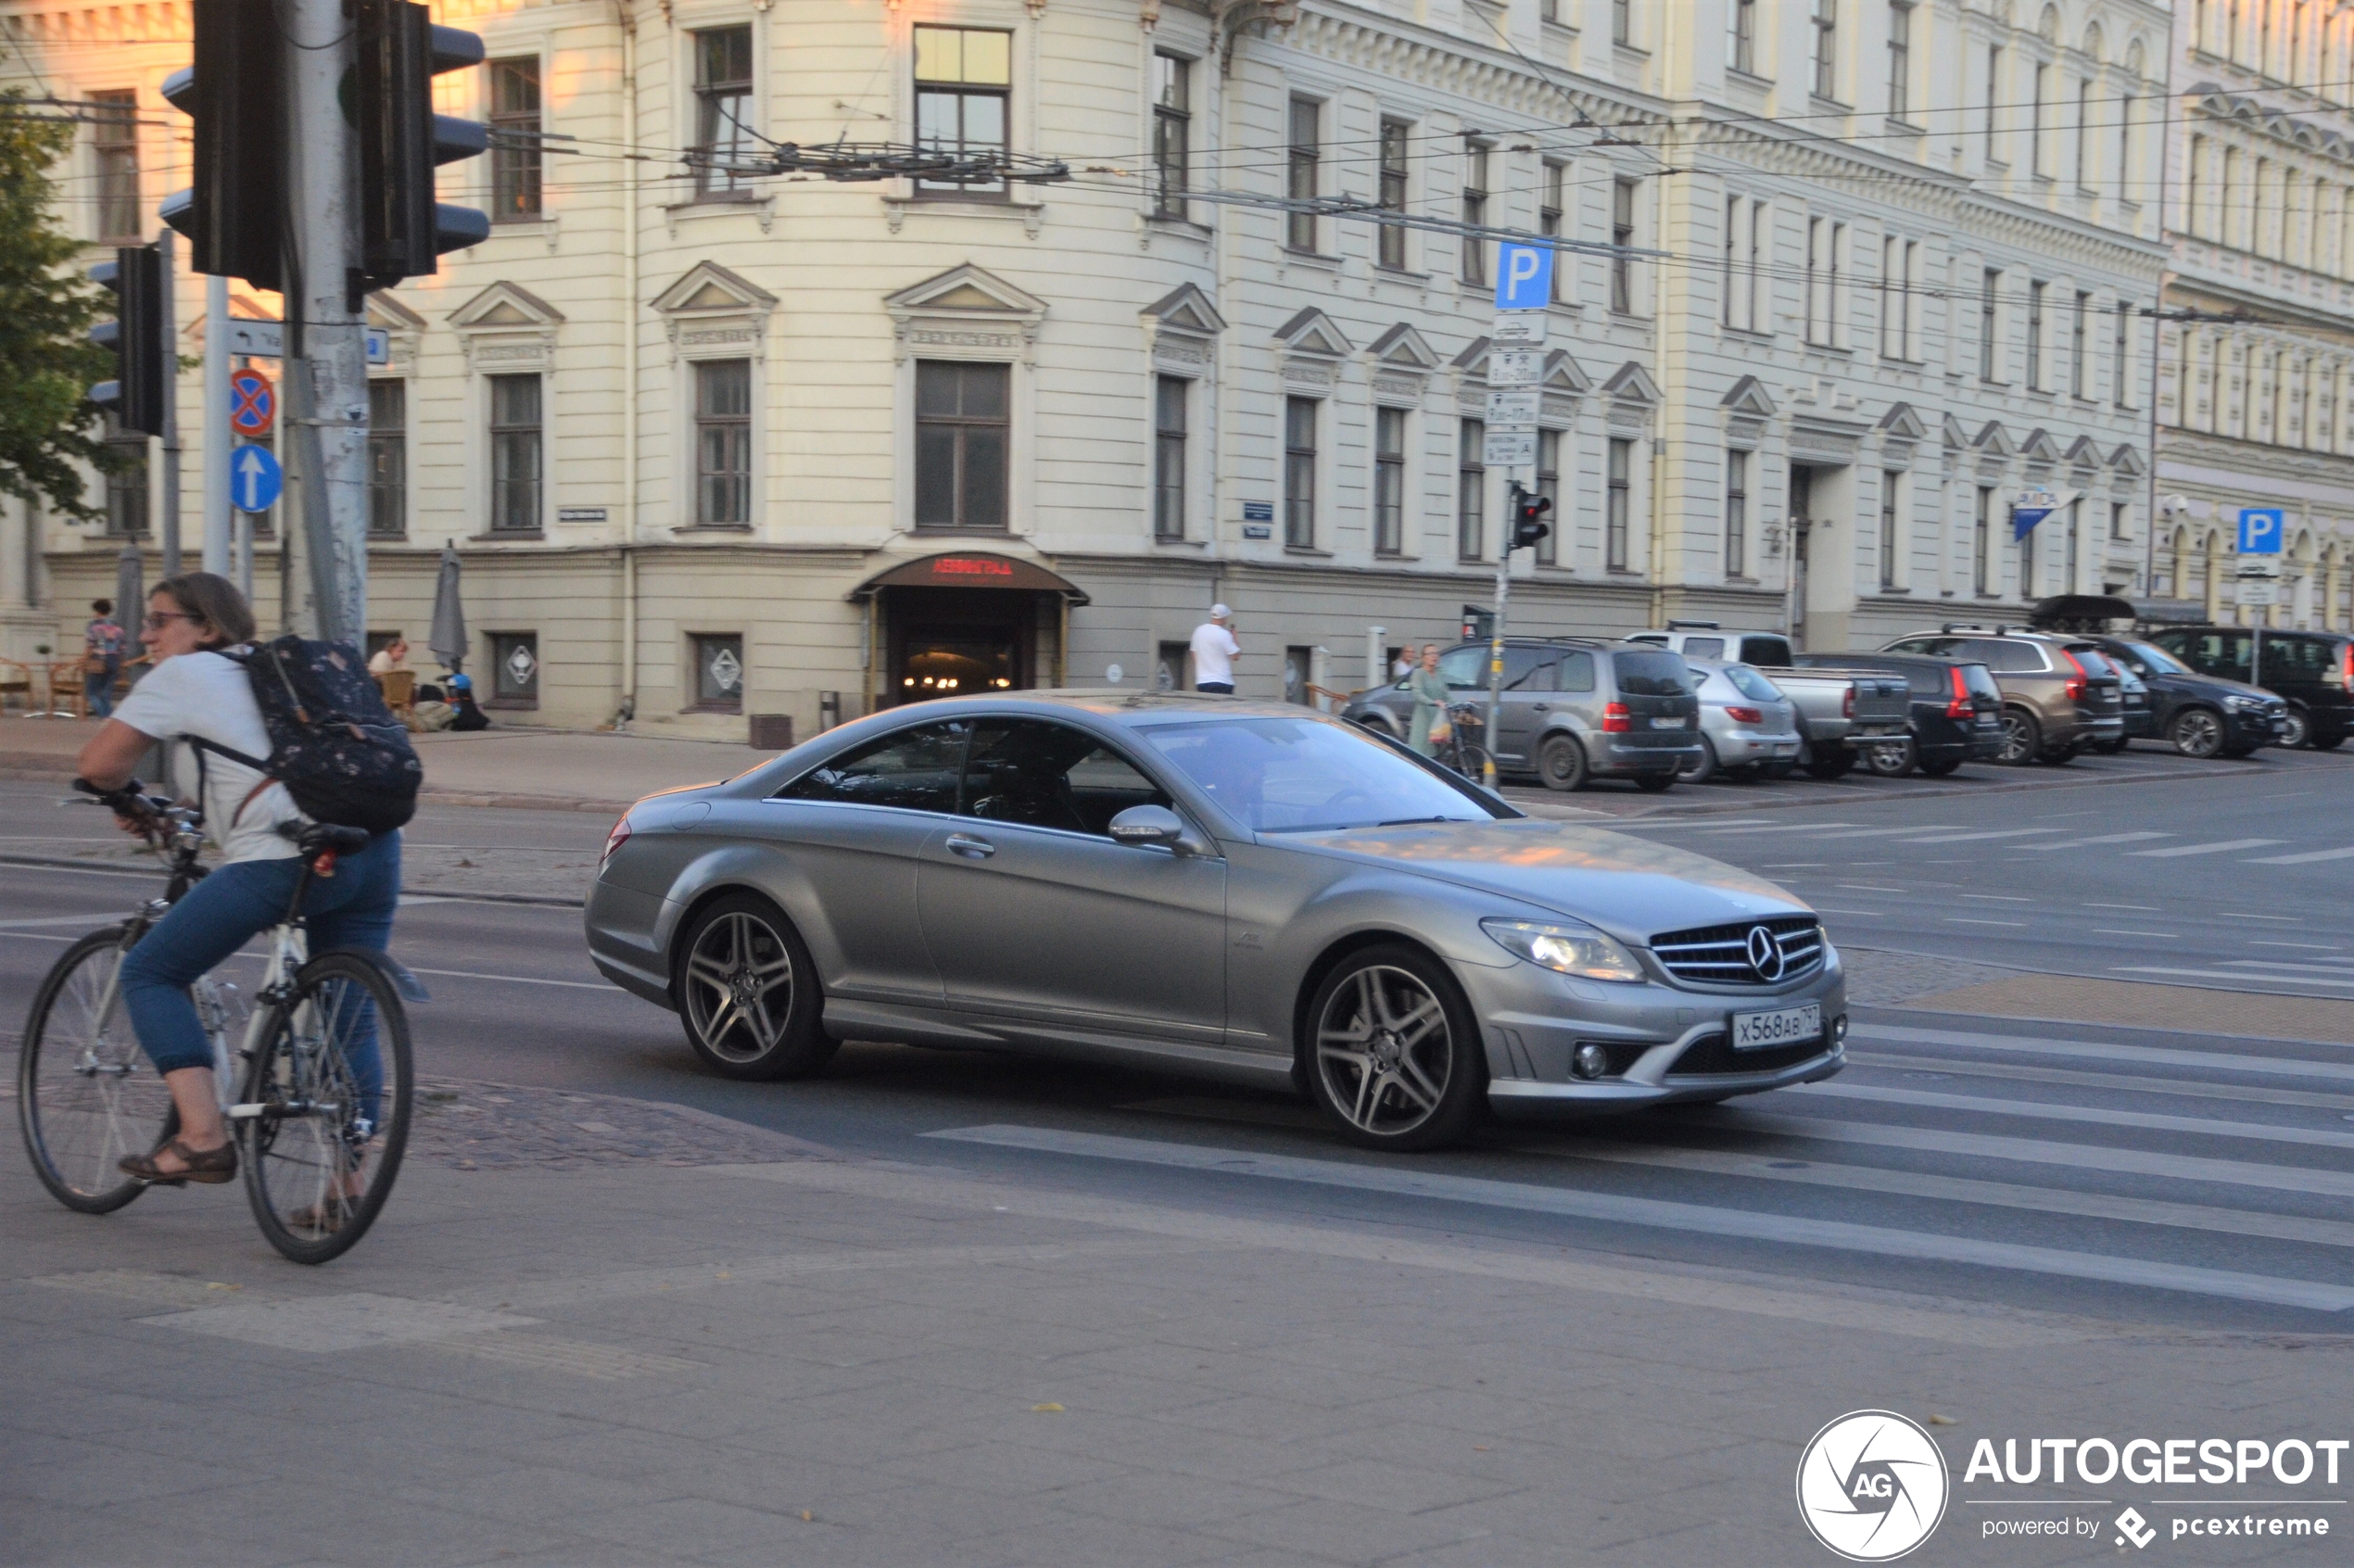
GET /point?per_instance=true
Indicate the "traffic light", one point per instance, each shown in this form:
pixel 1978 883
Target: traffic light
pixel 142 357
pixel 234 216
pixel 402 229
pixel 1528 519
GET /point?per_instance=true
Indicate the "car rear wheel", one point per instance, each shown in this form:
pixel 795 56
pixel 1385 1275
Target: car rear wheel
pixel 2300 729
pixel 1561 763
pixel 748 993
pixel 1890 759
pixel 2022 739
pixel 2328 742
pixel 1940 769
pixel 1836 761
pixel 2197 732
pixel 1703 768
pixel 1394 1057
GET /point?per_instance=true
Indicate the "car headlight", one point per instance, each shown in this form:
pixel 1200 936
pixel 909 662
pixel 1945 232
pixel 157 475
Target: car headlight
pixel 1568 947
pixel 2246 704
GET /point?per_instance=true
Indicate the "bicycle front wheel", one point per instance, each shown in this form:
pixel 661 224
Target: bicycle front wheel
pixel 324 1118
pixel 86 1094
pixel 1471 760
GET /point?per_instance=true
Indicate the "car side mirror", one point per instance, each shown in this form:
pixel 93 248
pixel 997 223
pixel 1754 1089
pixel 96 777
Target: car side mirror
pixel 1145 825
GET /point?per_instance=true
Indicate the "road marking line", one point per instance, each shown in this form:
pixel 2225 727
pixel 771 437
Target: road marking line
pixel 1869 886
pixel 2218 848
pixel 2237 915
pixel 1866 914
pixel 2308 946
pixel 2104 839
pixel 2137 909
pixel 2102 1051
pixel 1799 827
pixel 2227 974
pixel 2089 1114
pixel 2171 1088
pixel 2302 859
pixel 517 980
pixel 1999 898
pixel 1745 1224
pixel 95 922
pixel 1969 1189
pixel 2308 966
pixel 1965 920
pixel 1996 833
pixel 2115 930
pixel 1887 832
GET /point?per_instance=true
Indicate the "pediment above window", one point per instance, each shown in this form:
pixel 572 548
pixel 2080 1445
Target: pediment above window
pixel 1180 329
pixel 507 327
pixel 1995 441
pixel 2126 463
pixel 1632 384
pixel 1748 399
pixel 1402 350
pixel 714 311
pixel 1185 309
pixel 2039 447
pixel 965 312
pixel 1903 423
pixel 1311 331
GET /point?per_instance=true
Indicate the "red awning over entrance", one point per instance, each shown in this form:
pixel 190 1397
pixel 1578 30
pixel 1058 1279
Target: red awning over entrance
pixel 972 569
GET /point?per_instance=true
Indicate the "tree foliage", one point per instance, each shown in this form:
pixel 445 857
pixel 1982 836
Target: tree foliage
pixel 50 431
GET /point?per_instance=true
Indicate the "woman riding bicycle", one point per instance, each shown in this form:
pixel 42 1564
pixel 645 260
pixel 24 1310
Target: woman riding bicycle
pixel 194 693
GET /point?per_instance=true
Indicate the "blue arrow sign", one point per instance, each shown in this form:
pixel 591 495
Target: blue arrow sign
pixel 2261 530
pixel 1523 277
pixel 255 479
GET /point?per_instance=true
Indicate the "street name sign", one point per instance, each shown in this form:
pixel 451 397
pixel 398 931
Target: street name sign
pixel 2261 530
pixel 1524 276
pixel 255 479
pixel 266 340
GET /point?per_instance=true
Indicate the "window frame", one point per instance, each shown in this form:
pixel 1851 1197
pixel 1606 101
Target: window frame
pixel 697 701
pixel 1624 223
pixel 1990 322
pixel 114 154
pixel 961 424
pixel 2079 347
pixel 1822 60
pixel 963 91
pixel 1981 539
pixel 1173 134
pixel 1300 457
pixel 1736 546
pixel 1389 478
pixel 1477 159
pixel 1303 171
pixel 1740 36
pixel 388 453
pixel 2037 290
pixel 1619 507
pixel 506 436
pixel 1394 182
pixel 1470 491
pixel 1900 59
pixel 710 93
pixel 500 644
pixel 1171 444
pixel 737 430
pixel 1549 485
pixel 1892 482
pixel 516 170
pixel 1552 189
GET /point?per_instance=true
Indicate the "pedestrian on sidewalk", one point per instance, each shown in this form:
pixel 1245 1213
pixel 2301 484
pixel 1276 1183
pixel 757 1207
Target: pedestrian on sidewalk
pixel 103 641
pixel 1215 652
pixel 1429 690
pixel 393 655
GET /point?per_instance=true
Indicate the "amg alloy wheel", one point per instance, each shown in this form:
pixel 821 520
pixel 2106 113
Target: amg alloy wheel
pixel 1396 1054
pixel 748 993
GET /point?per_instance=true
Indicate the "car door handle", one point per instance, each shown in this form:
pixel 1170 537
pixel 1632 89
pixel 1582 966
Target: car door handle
pixel 970 847
pixel 1540 707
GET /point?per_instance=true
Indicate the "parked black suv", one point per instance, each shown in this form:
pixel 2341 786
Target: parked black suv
pixel 2198 715
pixel 2313 670
pixel 2059 696
pixel 1957 709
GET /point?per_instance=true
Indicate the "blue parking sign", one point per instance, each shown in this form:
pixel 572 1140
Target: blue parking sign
pixel 2261 530
pixel 1523 277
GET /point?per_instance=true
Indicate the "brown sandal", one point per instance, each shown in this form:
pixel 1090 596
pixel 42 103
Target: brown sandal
pixel 209 1168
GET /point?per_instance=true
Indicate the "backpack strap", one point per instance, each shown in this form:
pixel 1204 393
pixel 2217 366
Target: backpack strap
pixel 200 746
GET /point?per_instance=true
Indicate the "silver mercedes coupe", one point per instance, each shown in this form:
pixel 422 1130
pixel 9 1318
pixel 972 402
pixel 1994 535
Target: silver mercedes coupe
pixel 1248 890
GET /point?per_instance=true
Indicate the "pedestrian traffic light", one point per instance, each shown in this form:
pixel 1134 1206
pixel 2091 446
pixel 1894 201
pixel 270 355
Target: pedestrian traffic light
pixel 1528 519
pixel 141 356
pixel 235 215
pixel 402 229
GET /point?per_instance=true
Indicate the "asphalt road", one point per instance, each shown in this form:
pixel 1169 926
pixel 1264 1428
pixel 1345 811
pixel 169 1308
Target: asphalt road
pixel 2145 1176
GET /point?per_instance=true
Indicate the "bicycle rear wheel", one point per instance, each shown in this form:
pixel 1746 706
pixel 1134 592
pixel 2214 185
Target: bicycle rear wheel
pixel 326 1114
pixel 1471 760
pixel 86 1094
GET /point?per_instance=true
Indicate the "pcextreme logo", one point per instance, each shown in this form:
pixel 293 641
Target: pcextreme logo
pixel 1872 1486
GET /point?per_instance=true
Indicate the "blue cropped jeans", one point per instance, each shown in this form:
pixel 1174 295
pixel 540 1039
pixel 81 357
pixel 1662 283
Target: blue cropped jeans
pixel 220 915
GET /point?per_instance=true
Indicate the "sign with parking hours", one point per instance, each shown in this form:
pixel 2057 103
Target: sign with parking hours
pixel 2261 530
pixel 1516 367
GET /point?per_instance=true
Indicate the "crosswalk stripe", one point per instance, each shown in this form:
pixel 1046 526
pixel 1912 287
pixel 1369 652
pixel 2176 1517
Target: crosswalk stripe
pixel 1792 828
pixel 1994 833
pixel 2101 1050
pixel 2302 859
pixel 1886 833
pixel 2173 1088
pixel 1968 1189
pixel 2227 974
pixel 2102 838
pixel 2218 848
pixel 2096 1116
pixel 2308 966
pixel 2038 1151
pixel 1745 1224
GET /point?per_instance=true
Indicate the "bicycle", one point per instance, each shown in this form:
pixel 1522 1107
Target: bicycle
pixel 321 1072
pixel 1461 750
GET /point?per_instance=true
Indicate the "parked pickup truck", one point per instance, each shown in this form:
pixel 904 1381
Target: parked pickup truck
pixel 1839 710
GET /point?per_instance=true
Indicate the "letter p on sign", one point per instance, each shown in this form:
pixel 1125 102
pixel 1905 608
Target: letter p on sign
pixel 1523 277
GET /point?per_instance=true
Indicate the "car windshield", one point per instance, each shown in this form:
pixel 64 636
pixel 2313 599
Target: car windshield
pixel 2158 659
pixel 1294 775
pixel 1750 684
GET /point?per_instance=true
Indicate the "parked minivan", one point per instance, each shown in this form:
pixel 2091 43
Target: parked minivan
pixel 1574 709
pixel 2059 696
pixel 2313 670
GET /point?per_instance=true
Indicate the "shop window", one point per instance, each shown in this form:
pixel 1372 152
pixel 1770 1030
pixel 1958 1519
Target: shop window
pixel 719 672
pixel 514 669
pixel 963 428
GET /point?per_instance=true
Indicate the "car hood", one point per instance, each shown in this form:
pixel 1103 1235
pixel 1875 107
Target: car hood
pixel 1630 888
pixel 2214 686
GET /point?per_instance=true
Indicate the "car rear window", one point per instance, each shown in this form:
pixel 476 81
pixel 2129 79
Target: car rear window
pixel 1771 651
pixel 1651 675
pixel 1750 684
pixel 1979 680
pixel 1703 647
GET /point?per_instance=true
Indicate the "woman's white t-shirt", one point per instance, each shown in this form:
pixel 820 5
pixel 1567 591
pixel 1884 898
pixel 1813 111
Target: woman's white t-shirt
pixel 208 697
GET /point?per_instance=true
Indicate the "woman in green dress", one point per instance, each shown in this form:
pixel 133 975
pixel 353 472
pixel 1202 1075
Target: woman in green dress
pixel 1429 690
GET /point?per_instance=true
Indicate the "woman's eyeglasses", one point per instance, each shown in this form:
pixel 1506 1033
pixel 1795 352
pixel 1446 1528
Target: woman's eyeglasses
pixel 156 618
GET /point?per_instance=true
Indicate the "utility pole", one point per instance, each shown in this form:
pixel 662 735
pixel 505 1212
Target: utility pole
pixel 326 349
pixel 170 340
pixel 216 429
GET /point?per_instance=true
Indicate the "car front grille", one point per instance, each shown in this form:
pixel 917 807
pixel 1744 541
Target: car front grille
pixel 1712 1054
pixel 1721 955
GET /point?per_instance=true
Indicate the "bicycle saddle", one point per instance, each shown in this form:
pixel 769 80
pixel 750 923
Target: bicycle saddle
pixel 318 836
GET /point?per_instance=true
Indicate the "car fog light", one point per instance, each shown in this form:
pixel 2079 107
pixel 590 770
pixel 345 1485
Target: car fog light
pixel 1839 1029
pixel 1589 1061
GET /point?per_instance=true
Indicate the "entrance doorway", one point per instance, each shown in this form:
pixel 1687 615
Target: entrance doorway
pixel 965 624
pixel 1801 529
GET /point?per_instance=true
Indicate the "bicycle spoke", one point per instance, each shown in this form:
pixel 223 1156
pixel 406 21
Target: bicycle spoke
pixel 332 1086
pixel 87 1094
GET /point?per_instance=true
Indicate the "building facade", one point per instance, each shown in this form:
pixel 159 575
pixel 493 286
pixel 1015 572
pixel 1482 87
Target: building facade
pixel 2255 378
pixel 1850 276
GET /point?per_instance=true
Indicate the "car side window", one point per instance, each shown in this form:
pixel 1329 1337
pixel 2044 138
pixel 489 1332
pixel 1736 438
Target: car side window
pixel 2003 654
pixel 1577 671
pixel 911 769
pixel 1039 774
pixel 1464 668
pixel 1703 647
pixel 1528 669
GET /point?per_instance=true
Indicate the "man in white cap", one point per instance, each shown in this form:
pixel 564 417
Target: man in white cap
pixel 1215 652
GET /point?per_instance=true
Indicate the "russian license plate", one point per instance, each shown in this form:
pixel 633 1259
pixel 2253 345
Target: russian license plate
pixel 1784 1026
pixel 1676 723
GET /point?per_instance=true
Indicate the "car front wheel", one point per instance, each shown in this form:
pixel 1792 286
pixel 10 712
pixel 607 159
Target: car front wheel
pixel 748 993
pixel 1393 1052
pixel 1701 768
pixel 2299 733
pixel 2197 732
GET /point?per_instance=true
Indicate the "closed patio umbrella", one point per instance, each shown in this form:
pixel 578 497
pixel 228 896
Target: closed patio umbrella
pixel 129 590
pixel 449 639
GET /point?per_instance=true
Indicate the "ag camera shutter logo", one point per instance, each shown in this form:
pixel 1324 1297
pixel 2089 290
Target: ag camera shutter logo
pixel 1872 1486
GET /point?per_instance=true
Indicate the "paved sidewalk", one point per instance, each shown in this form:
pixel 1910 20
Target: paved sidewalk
pixel 656 1337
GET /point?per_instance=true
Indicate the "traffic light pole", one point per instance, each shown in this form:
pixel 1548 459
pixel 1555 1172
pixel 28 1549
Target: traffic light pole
pixel 326 348
pixel 216 427
pixel 171 341
pixel 1496 644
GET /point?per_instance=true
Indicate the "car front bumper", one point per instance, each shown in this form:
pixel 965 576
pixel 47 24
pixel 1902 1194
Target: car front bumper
pixel 1664 1044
